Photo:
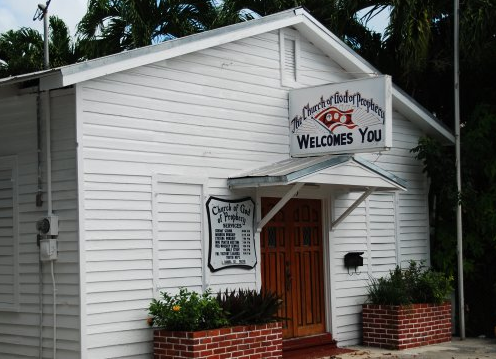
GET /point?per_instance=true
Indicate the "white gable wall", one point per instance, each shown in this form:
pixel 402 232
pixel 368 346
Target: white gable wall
pixel 207 115
pixel 19 327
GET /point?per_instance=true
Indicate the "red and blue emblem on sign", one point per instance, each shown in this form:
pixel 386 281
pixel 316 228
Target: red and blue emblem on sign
pixel 332 118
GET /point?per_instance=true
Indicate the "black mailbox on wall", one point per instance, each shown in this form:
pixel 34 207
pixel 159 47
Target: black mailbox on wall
pixel 353 260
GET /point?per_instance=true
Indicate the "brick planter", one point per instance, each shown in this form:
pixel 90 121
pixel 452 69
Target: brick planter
pixel 262 341
pixel 402 327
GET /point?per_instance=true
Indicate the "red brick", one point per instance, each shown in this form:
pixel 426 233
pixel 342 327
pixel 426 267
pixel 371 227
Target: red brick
pixel 418 321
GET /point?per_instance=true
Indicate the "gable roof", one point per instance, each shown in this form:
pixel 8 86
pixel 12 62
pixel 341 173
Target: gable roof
pixel 298 18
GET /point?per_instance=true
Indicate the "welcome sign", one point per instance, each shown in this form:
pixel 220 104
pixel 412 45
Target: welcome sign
pixel 346 117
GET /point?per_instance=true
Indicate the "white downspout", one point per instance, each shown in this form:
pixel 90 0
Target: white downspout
pixel 48 152
pixel 50 209
pixel 39 203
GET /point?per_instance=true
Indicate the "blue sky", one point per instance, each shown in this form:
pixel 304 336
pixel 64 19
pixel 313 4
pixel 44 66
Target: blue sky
pixel 18 13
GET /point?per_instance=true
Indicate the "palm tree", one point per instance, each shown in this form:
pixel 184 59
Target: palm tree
pixel 63 50
pixel 339 16
pixel 21 51
pixel 112 26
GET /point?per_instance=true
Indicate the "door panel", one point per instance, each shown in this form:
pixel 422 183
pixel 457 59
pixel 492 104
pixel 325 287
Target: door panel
pixel 275 265
pixel 292 264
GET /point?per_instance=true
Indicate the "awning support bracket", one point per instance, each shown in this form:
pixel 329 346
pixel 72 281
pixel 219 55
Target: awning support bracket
pixel 290 194
pixel 355 204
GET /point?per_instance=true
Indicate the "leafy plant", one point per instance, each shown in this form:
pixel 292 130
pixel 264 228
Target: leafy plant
pixel 188 311
pixel 390 290
pixel 250 306
pixel 412 285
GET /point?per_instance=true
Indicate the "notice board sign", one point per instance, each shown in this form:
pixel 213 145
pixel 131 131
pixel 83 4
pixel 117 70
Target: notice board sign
pixel 232 242
pixel 345 117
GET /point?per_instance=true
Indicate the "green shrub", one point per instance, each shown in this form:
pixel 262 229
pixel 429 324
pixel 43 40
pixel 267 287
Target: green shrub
pixel 250 306
pixel 390 290
pixel 188 311
pixel 410 286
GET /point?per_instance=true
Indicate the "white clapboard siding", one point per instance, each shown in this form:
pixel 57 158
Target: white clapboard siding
pixel 348 289
pixel 118 231
pixel 382 229
pixel 19 330
pixel 315 68
pixel 209 114
pixel 396 231
pixel 9 290
pixel 213 114
pixel 178 223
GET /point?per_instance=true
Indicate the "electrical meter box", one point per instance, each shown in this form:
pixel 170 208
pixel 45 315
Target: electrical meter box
pixel 48 249
pixel 48 226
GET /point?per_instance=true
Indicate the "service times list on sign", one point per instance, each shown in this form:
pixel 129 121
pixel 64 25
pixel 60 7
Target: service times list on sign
pixel 233 249
pixel 228 246
pixel 231 233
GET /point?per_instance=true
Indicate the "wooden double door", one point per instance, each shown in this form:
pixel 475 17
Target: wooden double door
pixel 292 264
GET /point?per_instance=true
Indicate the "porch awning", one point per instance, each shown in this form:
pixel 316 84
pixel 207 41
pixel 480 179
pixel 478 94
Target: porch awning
pixel 347 171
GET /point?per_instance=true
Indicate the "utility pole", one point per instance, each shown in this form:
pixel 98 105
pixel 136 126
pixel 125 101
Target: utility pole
pixel 459 233
pixel 42 14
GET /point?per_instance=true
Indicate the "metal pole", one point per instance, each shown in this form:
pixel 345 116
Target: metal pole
pixel 459 233
pixel 45 39
pixel 42 13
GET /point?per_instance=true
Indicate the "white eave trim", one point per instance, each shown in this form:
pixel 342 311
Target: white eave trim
pixel 411 108
pixel 173 48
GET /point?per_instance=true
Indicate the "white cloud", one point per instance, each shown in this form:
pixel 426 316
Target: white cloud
pixel 70 11
pixel 7 20
pixel 379 20
pixel 18 13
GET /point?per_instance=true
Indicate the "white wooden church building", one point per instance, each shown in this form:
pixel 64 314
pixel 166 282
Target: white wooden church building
pixel 239 157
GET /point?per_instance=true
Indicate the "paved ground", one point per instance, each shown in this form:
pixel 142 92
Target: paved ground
pixel 471 348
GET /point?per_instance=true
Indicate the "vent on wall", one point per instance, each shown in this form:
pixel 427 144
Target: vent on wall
pixel 289 59
pixel 289 55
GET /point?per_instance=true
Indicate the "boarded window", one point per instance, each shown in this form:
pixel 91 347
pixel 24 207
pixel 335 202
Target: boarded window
pixel 8 233
pixel 178 226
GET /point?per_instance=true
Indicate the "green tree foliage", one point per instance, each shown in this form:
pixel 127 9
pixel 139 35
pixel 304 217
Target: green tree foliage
pixel 63 50
pixel 479 212
pixel 339 16
pixel 21 51
pixel 112 26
